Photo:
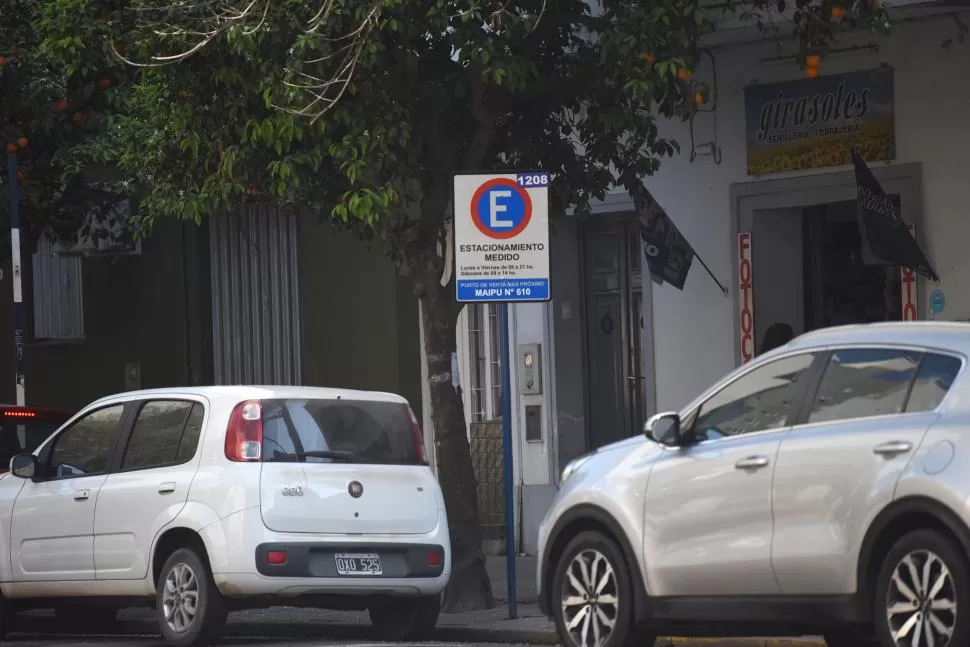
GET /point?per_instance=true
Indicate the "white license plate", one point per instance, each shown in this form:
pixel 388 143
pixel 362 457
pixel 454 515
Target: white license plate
pixel 358 564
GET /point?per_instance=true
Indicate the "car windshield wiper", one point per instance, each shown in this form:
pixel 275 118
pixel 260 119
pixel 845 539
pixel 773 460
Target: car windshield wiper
pixel 348 457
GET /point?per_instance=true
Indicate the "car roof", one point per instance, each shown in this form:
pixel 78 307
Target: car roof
pixel 258 392
pixel 944 335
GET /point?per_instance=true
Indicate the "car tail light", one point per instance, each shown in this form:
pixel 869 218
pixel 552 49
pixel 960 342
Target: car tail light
pixel 244 435
pixel 276 557
pixel 418 437
pixel 434 559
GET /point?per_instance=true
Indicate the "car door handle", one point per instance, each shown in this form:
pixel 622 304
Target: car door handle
pixel 892 448
pixel 81 495
pixel 166 488
pixel 752 463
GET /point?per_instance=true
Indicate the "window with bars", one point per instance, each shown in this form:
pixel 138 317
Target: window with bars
pixel 484 380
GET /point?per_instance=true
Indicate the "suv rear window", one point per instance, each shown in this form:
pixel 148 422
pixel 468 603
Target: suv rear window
pixel 23 435
pixel 338 431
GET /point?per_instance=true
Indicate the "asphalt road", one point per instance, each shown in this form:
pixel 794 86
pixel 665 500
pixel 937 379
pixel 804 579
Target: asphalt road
pixel 67 640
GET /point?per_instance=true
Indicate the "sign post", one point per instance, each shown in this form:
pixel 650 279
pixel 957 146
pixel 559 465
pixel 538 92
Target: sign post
pixel 19 334
pixel 502 256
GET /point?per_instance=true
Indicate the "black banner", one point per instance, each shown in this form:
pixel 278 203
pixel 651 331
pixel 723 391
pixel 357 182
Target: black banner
pixel 881 226
pixel 668 254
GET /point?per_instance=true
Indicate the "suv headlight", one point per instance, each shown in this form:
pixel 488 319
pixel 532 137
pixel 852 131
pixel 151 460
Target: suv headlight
pixel 572 466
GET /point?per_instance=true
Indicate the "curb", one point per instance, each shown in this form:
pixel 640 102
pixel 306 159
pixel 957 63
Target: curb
pixel 542 637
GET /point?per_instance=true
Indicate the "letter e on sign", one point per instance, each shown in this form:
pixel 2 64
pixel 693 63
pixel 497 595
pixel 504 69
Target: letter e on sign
pixel 745 297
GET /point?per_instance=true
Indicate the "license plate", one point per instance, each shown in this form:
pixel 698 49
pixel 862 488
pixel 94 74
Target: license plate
pixel 358 564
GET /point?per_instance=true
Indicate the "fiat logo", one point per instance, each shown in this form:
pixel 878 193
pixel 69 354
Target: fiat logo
pixel 355 489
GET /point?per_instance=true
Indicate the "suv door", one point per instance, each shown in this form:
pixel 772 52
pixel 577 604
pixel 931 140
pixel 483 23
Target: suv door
pixel 52 525
pixel 707 508
pixel 839 466
pixel 149 487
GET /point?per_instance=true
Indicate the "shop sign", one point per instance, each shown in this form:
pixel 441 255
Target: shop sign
pixel 813 123
pixel 908 287
pixel 745 297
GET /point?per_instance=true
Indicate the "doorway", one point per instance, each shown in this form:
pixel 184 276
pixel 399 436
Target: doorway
pixel 613 287
pixel 808 264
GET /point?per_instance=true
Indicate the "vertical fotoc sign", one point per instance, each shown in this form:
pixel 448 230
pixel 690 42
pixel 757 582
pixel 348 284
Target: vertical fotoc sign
pixel 909 288
pixel 745 297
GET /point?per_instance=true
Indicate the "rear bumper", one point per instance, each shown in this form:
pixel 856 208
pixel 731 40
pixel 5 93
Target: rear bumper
pixel 241 570
pixel 317 559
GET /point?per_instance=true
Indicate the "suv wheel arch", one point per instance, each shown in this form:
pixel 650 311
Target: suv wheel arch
pixel 583 518
pixel 892 522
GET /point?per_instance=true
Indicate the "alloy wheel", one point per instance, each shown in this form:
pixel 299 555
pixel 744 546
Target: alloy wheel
pixel 921 603
pixel 180 598
pixel 590 599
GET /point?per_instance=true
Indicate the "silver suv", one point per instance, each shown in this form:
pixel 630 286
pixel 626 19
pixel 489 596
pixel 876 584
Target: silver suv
pixel 820 489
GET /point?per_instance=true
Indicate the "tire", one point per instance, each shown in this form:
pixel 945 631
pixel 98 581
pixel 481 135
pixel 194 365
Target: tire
pixel 605 564
pixel 8 618
pixel 185 576
pixel 85 617
pixel 943 603
pixel 406 619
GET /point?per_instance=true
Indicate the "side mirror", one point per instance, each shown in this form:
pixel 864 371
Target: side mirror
pixel 23 466
pixel 664 428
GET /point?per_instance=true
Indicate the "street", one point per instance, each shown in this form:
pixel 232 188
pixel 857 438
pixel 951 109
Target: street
pixel 286 628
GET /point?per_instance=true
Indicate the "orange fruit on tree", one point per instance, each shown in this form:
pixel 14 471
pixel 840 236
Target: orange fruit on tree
pixel 104 84
pixel 650 58
pixel 813 60
pixel 12 148
pixel 683 74
pixel 3 61
pixel 811 72
pixel 22 142
pixel 20 175
pixel 60 105
pixel 838 12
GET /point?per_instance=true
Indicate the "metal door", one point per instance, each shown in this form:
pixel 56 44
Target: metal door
pixel 614 324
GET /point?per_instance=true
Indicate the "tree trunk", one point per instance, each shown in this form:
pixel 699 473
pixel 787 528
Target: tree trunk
pixel 469 588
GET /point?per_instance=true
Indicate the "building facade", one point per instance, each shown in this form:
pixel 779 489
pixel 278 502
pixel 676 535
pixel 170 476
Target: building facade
pixel 774 217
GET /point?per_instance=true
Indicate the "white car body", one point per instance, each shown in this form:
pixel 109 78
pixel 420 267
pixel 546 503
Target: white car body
pixel 107 534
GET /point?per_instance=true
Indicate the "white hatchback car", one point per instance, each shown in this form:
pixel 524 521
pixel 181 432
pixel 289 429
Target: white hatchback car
pixel 205 500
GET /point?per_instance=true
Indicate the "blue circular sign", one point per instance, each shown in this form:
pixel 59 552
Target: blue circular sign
pixel 501 208
pixel 937 302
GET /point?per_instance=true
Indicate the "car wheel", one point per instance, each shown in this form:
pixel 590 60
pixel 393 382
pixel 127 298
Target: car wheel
pixel 85 617
pixel 592 596
pixel 922 596
pixel 403 619
pixel 191 611
pixel 8 618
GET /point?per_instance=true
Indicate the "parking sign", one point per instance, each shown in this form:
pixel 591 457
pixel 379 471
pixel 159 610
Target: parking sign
pixel 502 237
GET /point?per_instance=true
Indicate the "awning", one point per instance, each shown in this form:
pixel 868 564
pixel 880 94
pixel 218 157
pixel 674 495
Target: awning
pixel 881 226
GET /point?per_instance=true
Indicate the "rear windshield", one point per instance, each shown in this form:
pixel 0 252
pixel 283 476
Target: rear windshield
pixel 22 436
pixel 337 431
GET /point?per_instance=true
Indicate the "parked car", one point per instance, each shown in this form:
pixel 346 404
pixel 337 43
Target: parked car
pixel 205 500
pixel 820 489
pixel 22 429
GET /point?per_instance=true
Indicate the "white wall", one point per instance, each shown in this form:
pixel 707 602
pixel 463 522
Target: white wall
pixel 932 101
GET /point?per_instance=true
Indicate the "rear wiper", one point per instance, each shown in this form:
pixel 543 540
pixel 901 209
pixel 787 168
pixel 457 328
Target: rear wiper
pixel 348 457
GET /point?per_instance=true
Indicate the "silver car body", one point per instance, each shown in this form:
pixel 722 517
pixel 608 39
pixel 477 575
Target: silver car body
pixel 794 511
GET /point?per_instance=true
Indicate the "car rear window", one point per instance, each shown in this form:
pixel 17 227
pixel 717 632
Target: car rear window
pixel 19 436
pixel 352 431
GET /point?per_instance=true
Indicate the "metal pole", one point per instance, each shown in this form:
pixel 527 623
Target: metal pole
pixel 503 327
pixel 18 296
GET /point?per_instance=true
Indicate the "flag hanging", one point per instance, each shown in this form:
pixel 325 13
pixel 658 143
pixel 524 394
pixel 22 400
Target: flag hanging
pixel 881 226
